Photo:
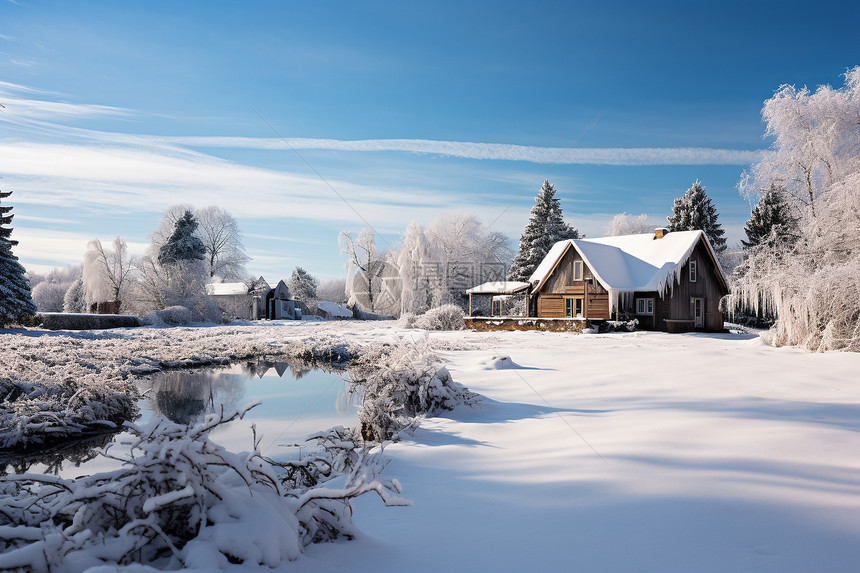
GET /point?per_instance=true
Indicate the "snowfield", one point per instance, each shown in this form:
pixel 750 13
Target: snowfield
pixel 618 452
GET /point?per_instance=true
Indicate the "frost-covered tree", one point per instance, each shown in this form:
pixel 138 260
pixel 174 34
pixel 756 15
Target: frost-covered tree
pixel 333 290
pixel 463 253
pixel 624 224
pixel 413 260
pixel 49 290
pixel 816 143
pixel 810 284
pixel 303 285
pixel 771 221
pixel 48 296
pixel 75 299
pixel 694 211
pixel 16 301
pixel 106 272
pixel 546 227
pixel 182 245
pixel 220 234
pixel 371 282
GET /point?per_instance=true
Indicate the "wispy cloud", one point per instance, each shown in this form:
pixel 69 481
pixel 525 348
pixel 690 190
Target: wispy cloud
pixel 495 151
pixel 20 103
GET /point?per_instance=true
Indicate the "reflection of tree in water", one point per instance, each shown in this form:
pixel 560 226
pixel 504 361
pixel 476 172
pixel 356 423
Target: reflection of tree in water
pixel 75 452
pixel 183 396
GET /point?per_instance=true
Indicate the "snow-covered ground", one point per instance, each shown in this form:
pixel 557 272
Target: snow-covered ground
pixel 617 452
pixel 626 452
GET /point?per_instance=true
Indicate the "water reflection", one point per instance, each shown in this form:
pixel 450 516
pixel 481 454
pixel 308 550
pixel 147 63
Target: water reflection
pixel 298 399
pixel 51 459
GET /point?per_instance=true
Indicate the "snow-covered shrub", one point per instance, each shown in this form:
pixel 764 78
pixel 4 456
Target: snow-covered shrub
pixel 171 316
pixel 33 415
pixel 180 500
pixel 407 320
pixel 447 317
pixel 402 382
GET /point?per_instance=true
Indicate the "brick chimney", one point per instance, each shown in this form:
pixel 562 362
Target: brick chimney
pixel 660 232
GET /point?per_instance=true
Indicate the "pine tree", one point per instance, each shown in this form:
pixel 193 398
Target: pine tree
pixel 182 245
pixel 75 299
pixel 771 222
pixel 302 285
pixel 546 227
pixel 16 300
pixel 693 212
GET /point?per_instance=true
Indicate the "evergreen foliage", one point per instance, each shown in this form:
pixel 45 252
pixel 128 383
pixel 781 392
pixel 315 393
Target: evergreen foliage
pixel 546 227
pixel 302 285
pixel 16 300
pixel 693 212
pixel 75 299
pixel 771 222
pixel 182 245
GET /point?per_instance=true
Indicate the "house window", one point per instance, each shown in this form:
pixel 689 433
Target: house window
pixel 645 306
pixel 577 270
pixel 694 271
pixel 573 307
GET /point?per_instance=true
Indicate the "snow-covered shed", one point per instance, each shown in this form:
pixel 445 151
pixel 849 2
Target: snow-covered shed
pixel 497 291
pixel 668 281
pixel 245 300
pixel 332 310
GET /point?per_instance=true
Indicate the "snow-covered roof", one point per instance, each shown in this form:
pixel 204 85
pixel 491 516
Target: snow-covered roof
pixel 334 310
pixel 629 263
pixel 499 287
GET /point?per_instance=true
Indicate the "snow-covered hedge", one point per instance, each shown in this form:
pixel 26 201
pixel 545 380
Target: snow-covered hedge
pixel 402 382
pixel 80 321
pixel 447 317
pixel 181 500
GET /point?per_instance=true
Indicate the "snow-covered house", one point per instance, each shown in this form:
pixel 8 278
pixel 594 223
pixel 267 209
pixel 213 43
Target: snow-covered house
pixel 668 281
pixel 245 300
pixel 281 305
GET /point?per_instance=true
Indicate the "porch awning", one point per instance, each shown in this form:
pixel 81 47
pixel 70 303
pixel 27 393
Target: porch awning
pixel 499 287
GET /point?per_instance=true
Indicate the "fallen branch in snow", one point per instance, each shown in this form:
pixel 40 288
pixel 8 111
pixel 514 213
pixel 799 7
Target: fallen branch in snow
pixel 181 500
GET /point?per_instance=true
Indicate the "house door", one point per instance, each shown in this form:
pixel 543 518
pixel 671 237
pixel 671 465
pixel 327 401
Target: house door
pixel 698 305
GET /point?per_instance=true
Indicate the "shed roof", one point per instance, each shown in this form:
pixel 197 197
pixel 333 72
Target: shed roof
pixel 630 263
pixel 499 287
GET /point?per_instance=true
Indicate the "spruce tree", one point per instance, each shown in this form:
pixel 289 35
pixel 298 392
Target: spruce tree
pixel 182 245
pixel 771 222
pixel 16 301
pixel 693 212
pixel 546 227
pixel 302 285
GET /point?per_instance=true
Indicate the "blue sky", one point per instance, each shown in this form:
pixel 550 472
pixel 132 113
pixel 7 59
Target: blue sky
pixel 114 111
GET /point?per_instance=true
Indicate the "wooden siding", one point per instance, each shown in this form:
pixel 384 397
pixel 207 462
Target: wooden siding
pixel 560 285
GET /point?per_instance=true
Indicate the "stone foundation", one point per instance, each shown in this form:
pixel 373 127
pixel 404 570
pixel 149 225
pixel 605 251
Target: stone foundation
pixel 492 323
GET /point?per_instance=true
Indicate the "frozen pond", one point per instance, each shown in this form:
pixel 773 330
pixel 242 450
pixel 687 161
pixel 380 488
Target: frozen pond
pixel 296 403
